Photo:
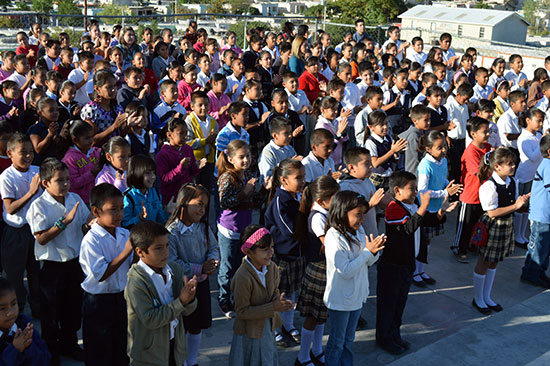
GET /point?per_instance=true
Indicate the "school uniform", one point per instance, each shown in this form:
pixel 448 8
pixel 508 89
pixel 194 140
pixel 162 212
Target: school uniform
pixel 544 106
pixel 271 156
pixel 481 92
pixel 379 146
pixel 231 82
pixel 515 79
pixel 299 142
pixel 459 115
pixel 48 63
pixel 76 76
pixel 416 57
pixel 419 99
pixel 258 134
pixel 280 218
pixel 17 240
pixel 398 120
pixel 127 95
pixel 438 116
pixel 35 355
pixel 297 101
pixel 203 79
pixel 508 124
pixel 190 247
pixel 494 80
pixel 310 301
pixel 497 193
pixel 104 322
pixel 266 78
pixel 360 125
pixel 414 87
pixel 60 273
pixel 314 168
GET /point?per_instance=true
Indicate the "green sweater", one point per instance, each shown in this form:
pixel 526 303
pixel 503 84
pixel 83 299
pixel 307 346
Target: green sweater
pixel 149 320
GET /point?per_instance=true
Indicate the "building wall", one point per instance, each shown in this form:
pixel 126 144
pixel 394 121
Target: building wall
pixel 513 30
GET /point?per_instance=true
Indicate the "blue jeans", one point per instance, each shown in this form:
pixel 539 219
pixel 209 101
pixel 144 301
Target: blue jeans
pixel 341 337
pixel 230 259
pixel 538 251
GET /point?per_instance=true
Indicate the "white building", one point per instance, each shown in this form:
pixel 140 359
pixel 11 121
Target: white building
pixel 479 26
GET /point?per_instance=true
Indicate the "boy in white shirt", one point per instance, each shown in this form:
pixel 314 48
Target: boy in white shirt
pixel 279 147
pixel 203 77
pixel 416 52
pixel 375 100
pixel 544 105
pixel 235 81
pixel 57 218
pixel 394 33
pixel 518 80
pixel 19 186
pixel 297 98
pixel 21 74
pixel 457 112
pixel 318 162
pixel 81 75
pixel 508 125
pixel 105 258
pixel 481 89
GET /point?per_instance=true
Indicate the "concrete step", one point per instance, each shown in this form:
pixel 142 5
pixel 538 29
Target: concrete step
pixel 516 336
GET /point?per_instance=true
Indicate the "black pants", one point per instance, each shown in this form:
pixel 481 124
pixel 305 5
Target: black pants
pixel 468 216
pixel 60 304
pixel 206 177
pixel 105 329
pixel 392 289
pixel 18 256
pixel 455 154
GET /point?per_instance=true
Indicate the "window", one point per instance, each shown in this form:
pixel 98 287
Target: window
pixel 459 32
pixel 481 32
pixel 432 26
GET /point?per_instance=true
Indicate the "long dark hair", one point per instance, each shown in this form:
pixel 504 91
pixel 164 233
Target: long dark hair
pixel 322 188
pixel 186 193
pixel 342 203
pixel 501 155
pixel 284 169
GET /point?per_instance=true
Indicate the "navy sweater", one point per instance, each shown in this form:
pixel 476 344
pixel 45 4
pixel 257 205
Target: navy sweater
pixel 35 355
pixel 280 218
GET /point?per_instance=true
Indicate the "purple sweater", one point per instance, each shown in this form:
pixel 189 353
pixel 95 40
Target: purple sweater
pixel 171 173
pixel 80 171
pixel 108 175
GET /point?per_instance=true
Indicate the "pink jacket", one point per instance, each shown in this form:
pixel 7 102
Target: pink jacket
pixel 80 170
pixel 171 173
pixel 215 106
pixel 108 175
pixel 184 93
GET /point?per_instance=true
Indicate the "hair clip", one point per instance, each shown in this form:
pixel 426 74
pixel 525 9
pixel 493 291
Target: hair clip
pixel 486 158
pixel 225 151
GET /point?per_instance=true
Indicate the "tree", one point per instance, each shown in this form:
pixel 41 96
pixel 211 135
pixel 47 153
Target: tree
pixel 68 7
pixel 240 6
pixel 216 7
pixel 374 12
pixel 112 9
pixel 22 5
pixel 482 5
pixel 530 9
pixel 42 6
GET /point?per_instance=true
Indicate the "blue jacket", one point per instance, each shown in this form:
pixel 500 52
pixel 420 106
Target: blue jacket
pixel 280 217
pixel 36 355
pixel 133 202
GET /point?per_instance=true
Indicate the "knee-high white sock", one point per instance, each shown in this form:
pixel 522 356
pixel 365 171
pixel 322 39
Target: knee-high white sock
pixel 317 347
pixel 479 282
pixel 518 236
pixel 305 345
pixel 193 344
pixel 419 268
pixel 488 286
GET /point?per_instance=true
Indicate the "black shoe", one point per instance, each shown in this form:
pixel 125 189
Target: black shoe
pixel 316 359
pixel 283 342
pixel 521 245
pixel 227 310
pixel 461 257
pixel 539 283
pixel 403 343
pixel 75 352
pixel 392 347
pixel 428 281
pixel 361 324
pixel 496 308
pixel 420 283
pixel 288 333
pixel 484 311
pixel 298 363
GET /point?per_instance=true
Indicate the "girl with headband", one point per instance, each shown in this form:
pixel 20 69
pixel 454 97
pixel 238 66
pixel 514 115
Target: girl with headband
pixel 255 288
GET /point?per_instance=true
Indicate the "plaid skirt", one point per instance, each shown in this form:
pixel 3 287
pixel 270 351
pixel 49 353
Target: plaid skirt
pixel 290 275
pixel 432 231
pixel 310 301
pixel 500 238
pixel 380 181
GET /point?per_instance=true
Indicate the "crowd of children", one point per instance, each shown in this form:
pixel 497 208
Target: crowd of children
pixel 116 156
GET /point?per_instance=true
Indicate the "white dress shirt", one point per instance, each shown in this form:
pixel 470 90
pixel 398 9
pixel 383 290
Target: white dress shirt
pixel 459 115
pixel 488 196
pixel 15 184
pixel 314 168
pixel 508 124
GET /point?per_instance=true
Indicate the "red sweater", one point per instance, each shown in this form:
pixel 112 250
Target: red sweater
pixel 470 165
pixel 151 80
pixel 21 50
pixel 310 84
